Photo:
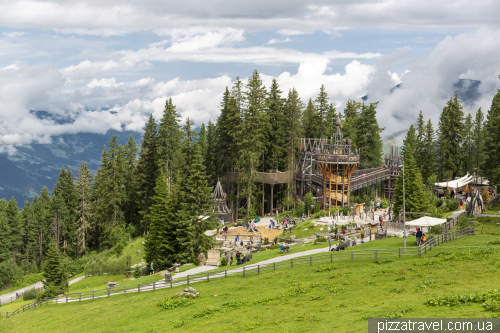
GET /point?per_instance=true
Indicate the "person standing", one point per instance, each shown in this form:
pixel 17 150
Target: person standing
pixel 328 229
pixel 151 269
pixel 362 234
pixel 419 236
pixel 329 242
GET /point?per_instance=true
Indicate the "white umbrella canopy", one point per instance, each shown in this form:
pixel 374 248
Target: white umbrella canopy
pixel 426 221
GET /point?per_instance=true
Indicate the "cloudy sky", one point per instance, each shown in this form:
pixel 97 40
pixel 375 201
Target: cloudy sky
pixel 108 64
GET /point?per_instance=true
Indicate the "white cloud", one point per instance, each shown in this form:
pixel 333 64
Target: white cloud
pixel 276 40
pixel 14 34
pixel 291 32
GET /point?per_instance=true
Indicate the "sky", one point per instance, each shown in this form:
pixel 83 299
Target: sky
pixel 101 65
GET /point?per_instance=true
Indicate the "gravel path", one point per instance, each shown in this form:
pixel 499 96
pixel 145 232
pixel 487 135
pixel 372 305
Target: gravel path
pixel 10 297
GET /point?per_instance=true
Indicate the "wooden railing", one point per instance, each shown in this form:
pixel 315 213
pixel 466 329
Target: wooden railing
pixel 446 237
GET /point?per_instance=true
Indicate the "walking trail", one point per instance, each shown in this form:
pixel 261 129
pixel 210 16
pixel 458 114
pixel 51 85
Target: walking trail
pixel 10 297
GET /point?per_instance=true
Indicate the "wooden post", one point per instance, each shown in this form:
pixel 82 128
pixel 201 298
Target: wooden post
pixel 139 287
pixel 92 294
pixel 310 260
pixel 274 266
pixel 258 269
pixel 188 279
pixel 291 262
pixel 66 298
pixel 154 285
pixel 243 271
pixel 208 277
pixel 331 257
pixel 124 290
pixel 399 253
pixel 109 290
pixel 225 273
pixel 80 297
pixel 375 254
pixel 352 256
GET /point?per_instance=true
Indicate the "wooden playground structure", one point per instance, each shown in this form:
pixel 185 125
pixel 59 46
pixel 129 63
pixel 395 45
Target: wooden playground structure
pixel 328 169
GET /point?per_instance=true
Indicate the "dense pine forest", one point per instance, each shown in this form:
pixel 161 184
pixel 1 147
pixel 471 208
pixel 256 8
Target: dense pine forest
pixel 158 188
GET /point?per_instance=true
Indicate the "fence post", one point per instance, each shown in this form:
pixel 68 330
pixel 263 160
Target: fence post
pixel 352 256
pixel 225 273
pixel 66 298
pixel 92 294
pixel 80 297
pixel 154 285
pixel 139 287
pixel 419 252
pixel 208 277
pixel 291 262
pixel 331 257
pixel 109 291
pixel 375 254
pixel 188 279
pixel 274 266
pixel 258 269
pixel 124 290
pixel 310 260
pixel 171 282
pixel 425 248
pixel 400 253
pixel 243 271
pixel 474 230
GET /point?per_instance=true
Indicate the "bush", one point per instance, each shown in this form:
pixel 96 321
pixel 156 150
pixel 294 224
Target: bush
pixel 321 239
pixel 118 249
pixel 137 272
pixel 50 291
pixel 275 246
pixel 99 266
pixel 31 293
pixel 463 222
pixel 300 208
pixel 452 204
pixel 266 240
pixel 169 304
pixel 384 203
pixel 196 262
pixel 346 210
pixel 438 202
pixel 223 262
pixel 437 229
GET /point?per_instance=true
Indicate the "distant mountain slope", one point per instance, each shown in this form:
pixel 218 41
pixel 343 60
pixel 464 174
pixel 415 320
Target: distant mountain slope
pixel 38 165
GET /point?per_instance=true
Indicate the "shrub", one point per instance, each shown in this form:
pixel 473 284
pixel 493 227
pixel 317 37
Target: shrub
pixel 438 202
pixel 321 239
pixel 31 293
pixel 275 246
pixel 118 249
pixel 137 272
pixel 463 222
pixel 99 266
pixel 452 204
pixel 300 208
pixel 437 229
pixel 172 303
pixel 266 240
pixel 385 203
pixel 196 262
pixel 223 262
pixel 50 291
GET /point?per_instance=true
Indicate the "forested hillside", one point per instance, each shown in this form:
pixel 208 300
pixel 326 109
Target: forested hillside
pixel 161 186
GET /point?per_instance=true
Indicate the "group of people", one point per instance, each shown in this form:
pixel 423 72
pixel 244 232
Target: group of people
pixel 281 225
pixel 421 237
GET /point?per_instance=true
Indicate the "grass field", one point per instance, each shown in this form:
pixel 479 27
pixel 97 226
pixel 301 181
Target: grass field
pixel 317 298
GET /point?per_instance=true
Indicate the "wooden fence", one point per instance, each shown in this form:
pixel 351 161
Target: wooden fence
pixel 253 269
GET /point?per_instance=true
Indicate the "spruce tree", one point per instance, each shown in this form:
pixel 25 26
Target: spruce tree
pixel 491 165
pixel 467 145
pixel 330 121
pixel 322 110
pixel 16 229
pixel 211 158
pixel 368 138
pixel 450 130
pixel 410 140
pixel 5 234
pixel 84 210
pixel 419 144
pixel 415 198
pixel 352 112
pixel 162 246
pixel 275 148
pixel 428 153
pixel 310 121
pixel 52 268
pixel 250 142
pixel 478 139
pixel 130 151
pixel 194 201
pixel 169 141
pixel 147 172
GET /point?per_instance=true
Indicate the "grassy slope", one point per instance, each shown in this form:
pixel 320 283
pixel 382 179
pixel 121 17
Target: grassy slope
pixel 366 290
